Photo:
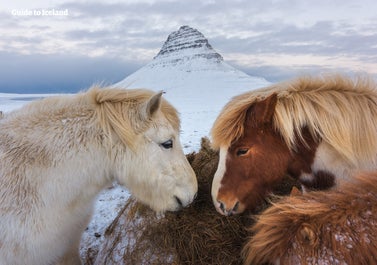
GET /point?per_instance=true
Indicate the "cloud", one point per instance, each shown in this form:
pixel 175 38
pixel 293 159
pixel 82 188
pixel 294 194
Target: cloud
pixel 58 73
pixel 273 38
pixel 322 38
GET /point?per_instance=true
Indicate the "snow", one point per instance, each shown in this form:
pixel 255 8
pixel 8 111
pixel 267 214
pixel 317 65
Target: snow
pixel 10 102
pixel 109 202
pixel 198 93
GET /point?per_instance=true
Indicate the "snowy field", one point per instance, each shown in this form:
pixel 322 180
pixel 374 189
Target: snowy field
pixel 198 109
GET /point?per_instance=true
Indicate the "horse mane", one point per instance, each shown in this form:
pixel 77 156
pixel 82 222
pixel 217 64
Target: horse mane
pixel 120 111
pixel 335 109
pixel 319 225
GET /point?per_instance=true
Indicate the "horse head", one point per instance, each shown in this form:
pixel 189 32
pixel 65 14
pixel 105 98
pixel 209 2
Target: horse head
pixel 149 159
pixel 251 164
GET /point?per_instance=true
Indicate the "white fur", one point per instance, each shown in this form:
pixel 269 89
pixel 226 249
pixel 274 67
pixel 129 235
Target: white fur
pixel 52 167
pixel 327 159
pixel 216 184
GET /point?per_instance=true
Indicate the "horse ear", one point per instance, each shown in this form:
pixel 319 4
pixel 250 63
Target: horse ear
pixel 295 192
pixel 153 104
pixel 307 235
pixel 264 110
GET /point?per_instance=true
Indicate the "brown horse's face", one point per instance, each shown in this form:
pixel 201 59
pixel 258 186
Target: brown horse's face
pixel 252 164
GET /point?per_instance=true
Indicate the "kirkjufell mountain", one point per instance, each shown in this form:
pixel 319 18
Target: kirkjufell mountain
pixel 186 44
pixel 195 77
pixel 187 61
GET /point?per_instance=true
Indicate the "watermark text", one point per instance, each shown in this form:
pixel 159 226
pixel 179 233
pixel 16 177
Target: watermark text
pixel 40 12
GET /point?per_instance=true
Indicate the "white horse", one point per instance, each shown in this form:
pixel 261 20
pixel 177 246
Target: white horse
pixel 58 153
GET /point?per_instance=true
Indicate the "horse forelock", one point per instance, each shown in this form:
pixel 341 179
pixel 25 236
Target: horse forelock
pixel 120 111
pixel 335 109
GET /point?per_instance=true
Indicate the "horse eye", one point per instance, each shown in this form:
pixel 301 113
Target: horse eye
pixel 242 151
pixel 168 144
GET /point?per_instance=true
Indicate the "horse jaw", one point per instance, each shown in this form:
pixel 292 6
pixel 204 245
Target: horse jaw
pixel 158 177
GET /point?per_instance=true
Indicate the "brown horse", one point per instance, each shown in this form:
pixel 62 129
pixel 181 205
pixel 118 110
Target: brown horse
pixel 333 227
pixel 318 130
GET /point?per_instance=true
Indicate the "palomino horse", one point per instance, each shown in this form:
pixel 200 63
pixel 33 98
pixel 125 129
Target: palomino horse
pixel 315 129
pixel 332 227
pixel 56 154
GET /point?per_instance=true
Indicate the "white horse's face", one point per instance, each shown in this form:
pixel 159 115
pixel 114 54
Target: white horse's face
pixel 158 173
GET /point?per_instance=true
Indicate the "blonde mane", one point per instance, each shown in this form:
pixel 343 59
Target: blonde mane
pixel 338 110
pixel 120 111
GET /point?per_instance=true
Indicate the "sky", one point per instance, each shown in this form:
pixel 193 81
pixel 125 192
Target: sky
pixel 67 45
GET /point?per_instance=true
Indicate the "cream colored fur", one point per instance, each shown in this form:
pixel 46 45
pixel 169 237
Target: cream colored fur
pixel 58 153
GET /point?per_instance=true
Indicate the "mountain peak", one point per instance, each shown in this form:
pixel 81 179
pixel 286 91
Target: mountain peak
pixel 186 44
pixel 186 61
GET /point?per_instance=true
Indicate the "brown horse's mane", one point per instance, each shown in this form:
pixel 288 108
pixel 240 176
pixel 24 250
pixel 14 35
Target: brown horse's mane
pixel 319 225
pixel 340 111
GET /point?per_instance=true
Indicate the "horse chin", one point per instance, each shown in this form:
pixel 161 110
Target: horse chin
pixel 171 204
pixel 175 205
pixel 182 202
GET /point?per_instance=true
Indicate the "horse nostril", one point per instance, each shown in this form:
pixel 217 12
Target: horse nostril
pixel 221 206
pixel 235 208
pixel 178 201
pixel 229 211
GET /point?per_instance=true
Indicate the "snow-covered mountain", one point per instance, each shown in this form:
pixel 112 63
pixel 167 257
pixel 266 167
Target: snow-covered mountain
pixel 187 62
pixel 196 80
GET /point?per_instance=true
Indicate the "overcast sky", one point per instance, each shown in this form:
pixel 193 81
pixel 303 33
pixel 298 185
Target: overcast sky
pixel 104 41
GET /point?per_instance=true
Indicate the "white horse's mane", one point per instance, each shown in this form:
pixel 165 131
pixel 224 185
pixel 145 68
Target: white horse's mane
pixel 118 111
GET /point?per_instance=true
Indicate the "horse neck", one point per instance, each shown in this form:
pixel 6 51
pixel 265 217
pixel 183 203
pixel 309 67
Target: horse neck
pixel 84 154
pixel 303 154
pixel 84 175
pixel 64 139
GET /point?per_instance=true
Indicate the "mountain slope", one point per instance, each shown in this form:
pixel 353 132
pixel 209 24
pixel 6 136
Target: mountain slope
pixel 196 80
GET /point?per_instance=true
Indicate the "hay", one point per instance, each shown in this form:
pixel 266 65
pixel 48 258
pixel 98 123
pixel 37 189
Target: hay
pixel 196 235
